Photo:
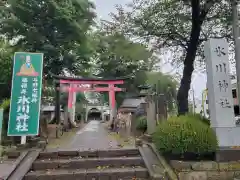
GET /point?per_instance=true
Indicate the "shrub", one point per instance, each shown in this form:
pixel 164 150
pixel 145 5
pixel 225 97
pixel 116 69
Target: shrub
pixel 198 117
pixel 141 124
pixel 5 106
pixel 184 134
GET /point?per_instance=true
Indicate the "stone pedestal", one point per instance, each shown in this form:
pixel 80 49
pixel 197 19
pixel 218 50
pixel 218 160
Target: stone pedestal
pixel 228 136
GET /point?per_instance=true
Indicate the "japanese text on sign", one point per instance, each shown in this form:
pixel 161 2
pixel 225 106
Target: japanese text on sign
pixel 224 103
pixel 221 67
pixel 23 108
pixel 222 83
pixel 35 90
pixel 220 100
pixel 220 51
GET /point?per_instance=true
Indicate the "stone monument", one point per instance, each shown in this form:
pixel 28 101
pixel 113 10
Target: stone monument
pixel 220 93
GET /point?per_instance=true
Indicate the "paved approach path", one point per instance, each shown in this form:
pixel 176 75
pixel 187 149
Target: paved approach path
pixel 93 136
pixel 5 168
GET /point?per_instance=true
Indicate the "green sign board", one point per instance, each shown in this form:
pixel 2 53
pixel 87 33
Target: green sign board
pixel 25 94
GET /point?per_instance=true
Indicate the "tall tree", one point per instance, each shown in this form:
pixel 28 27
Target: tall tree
pixel 56 28
pixel 164 85
pixel 181 26
pixel 117 56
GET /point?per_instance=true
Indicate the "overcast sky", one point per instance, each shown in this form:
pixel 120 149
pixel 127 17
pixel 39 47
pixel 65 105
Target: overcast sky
pixel 104 7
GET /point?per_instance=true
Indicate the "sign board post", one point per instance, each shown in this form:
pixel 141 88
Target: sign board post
pixel 220 93
pixel 25 95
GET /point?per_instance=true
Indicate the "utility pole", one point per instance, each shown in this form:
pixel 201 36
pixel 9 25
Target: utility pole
pixel 235 15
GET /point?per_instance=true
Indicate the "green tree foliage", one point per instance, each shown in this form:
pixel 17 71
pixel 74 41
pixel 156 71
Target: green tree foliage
pixel 179 26
pixel 163 85
pixel 60 29
pixel 56 28
pixel 80 98
pixel 6 55
pixel 117 56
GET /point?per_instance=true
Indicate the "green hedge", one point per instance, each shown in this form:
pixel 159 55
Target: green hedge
pixel 185 134
pixel 198 117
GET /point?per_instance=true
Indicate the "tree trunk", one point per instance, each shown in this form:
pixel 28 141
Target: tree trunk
pixel 182 96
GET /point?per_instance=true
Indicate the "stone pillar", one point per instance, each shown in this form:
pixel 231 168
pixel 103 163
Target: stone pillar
pixel 66 116
pixel 133 124
pixel 102 118
pixel 162 108
pixel 86 114
pixel 151 115
pixel 129 124
pixel 220 93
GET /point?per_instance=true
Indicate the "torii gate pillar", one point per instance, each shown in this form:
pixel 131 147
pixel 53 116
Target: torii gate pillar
pixel 112 103
pixel 71 102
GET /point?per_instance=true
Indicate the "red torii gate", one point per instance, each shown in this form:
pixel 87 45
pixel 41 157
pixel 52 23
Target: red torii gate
pixel 73 86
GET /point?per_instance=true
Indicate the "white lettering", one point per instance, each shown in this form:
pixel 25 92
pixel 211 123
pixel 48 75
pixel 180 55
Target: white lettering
pixel 22 127
pixel 23 91
pixel 24 80
pixel 35 85
pixel 34 100
pixel 22 117
pixel 23 100
pixel 24 86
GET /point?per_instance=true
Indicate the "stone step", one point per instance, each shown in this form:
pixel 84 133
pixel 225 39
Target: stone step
pixel 89 174
pixel 59 154
pixel 23 164
pixel 87 163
